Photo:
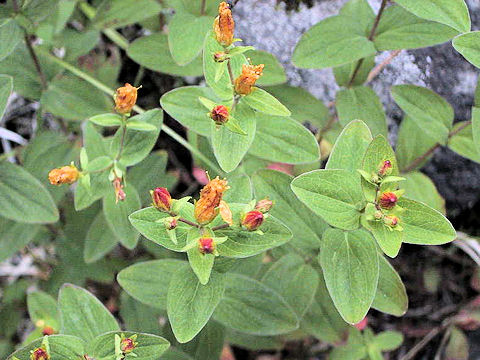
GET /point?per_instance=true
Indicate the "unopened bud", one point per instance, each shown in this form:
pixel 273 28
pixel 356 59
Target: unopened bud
pixel 127 345
pixel 252 220
pixel 385 168
pixel 220 57
pixel 48 330
pixel 170 223
pixel 39 354
pixel 162 199
pixel 388 200
pixel 391 220
pixel 378 215
pixel 63 175
pixel 125 98
pixel 264 205
pixel 219 114
pixel 206 245
pixel 118 188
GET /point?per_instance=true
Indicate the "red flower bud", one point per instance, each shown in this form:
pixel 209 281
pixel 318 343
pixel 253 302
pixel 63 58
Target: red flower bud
pixel 219 56
pixel 170 223
pixel 206 245
pixel 127 345
pixel 39 354
pixel 219 114
pixel 388 200
pixel 385 168
pixel 48 330
pixel 162 199
pixel 252 220
pixel 391 220
pixel 264 205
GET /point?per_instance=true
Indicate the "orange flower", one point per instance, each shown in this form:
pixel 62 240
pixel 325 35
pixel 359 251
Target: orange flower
pixel 224 26
pixel 125 98
pixel 63 175
pixel 250 74
pixel 48 330
pixel 206 208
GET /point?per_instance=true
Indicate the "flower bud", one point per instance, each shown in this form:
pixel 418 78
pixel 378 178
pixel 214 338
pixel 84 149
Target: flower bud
pixel 264 205
pixel 224 26
pixel 252 220
pixel 162 199
pixel 170 223
pixel 388 200
pixel 127 345
pixel 125 98
pixel 206 208
pixel 378 215
pixel 48 330
pixel 40 354
pixel 118 188
pixel 219 114
pixel 206 245
pixel 220 56
pixel 385 168
pixel 391 220
pixel 63 175
pixel 250 74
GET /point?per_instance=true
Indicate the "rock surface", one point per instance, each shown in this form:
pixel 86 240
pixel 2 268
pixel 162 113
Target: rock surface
pixel 439 68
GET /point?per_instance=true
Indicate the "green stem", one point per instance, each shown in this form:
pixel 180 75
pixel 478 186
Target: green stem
pixel 99 85
pixel 202 9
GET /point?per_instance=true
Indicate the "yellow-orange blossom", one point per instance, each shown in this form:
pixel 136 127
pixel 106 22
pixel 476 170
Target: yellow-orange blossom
pixel 206 208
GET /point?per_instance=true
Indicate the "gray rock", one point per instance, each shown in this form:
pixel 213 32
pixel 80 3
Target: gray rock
pixel 267 26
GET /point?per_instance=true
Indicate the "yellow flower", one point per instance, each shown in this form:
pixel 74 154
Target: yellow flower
pixel 224 26
pixel 206 208
pixel 125 98
pixel 63 175
pixel 250 74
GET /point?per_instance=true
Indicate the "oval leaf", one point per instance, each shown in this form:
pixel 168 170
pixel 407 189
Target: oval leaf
pixel 262 101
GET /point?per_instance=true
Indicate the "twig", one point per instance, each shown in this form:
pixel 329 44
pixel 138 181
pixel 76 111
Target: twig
pixel 38 68
pixel 220 227
pixel 188 222
pixel 230 73
pixel 378 69
pixel 202 8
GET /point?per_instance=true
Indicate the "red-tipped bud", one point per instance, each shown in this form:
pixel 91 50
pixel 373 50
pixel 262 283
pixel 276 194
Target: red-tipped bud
pixel 388 200
pixel 162 199
pixel 252 220
pixel 264 205
pixel 206 245
pixel 220 56
pixel 170 223
pixel 391 220
pixel 219 114
pixel 127 345
pixel 39 354
pixel 48 330
pixel 118 188
pixel 385 168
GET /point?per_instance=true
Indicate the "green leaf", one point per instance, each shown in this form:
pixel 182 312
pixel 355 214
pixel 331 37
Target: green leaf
pixel 107 119
pixel 391 297
pixel 388 240
pixel 281 139
pixel 82 314
pixel 190 304
pixel 262 101
pixel 399 29
pixel 61 347
pixel 43 308
pixel 335 195
pixel 99 164
pixel 183 105
pixel 322 319
pixel 148 281
pixel 303 105
pixel 74 99
pixel 240 189
pixel 306 227
pixel 453 13
pixel 208 344
pixel 294 280
pixel 149 346
pixel 388 340
pixel 420 188
pixel 463 141
pixel 119 13
pixel 153 53
pixel 201 264
pixel 468 45
pixel 423 225
pixel 343 74
pixel 138 144
pixel 6 87
pixel 16 201
pixel 458 345
pixel 350 147
pixel 350 264
pixel 116 216
pixel 140 126
pixel 14 236
pixel 429 110
pixel 273 74
pixel 251 307
pixel 412 142
pixel 186 34
pixel 332 42
pixel 100 240
pixel 10 35
pixel 476 127
pixel 139 317
pixel 363 104
pixel 230 148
